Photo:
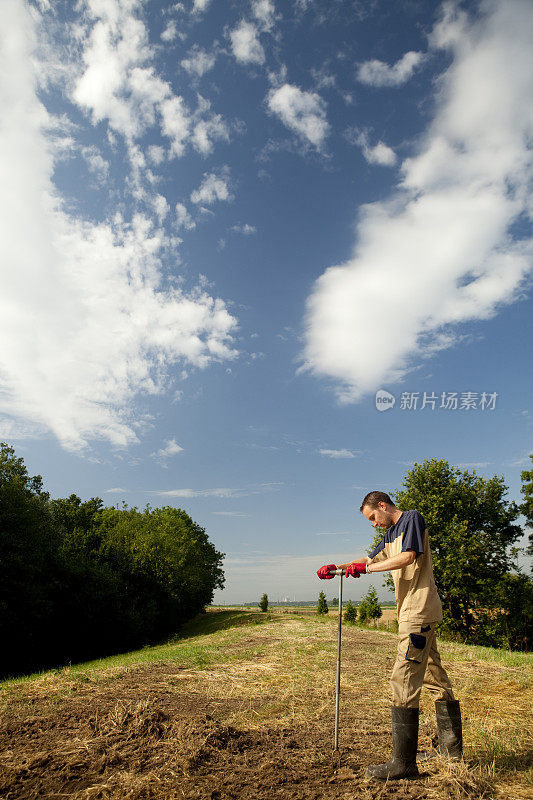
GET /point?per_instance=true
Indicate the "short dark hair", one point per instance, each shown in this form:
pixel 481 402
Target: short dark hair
pixel 373 498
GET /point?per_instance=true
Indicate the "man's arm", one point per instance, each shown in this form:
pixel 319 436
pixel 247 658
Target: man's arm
pixel 395 562
pixel 362 560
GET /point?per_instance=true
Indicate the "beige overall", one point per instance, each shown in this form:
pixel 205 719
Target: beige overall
pixel 419 610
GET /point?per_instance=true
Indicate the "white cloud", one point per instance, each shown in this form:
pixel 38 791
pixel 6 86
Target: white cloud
pixel 323 79
pixel 199 6
pixel 259 488
pixel 473 464
pixel 11 429
pixel 85 324
pixel 96 163
pixel 246 230
pixel 200 129
pixel 378 73
pixel 198 61
pixel 170 32
pixel 176 123
pixel 302 112
pixel 119 84
pixel 215 186
pixel 183 218
pixel 337 453
pixel 207 130
pixel 379 153
pixel 156 154
pixel 205 212
pixel 230 514
pixel 170 449
pixel 116 490
pixel 264 12
pixel 160 206
pixel 439 252
pixel 200 493
pixel 114 84
pixel 245 44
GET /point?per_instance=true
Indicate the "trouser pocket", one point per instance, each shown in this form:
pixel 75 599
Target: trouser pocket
pixel 416 645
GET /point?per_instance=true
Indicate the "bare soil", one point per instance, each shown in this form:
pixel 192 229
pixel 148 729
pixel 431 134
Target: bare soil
pixel 170 744
pixel 222 733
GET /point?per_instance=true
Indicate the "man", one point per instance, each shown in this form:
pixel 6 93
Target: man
pixel 405 551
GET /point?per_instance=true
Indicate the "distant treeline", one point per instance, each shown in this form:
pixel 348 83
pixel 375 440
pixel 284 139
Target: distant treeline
pixel 302 603
pixel 79 580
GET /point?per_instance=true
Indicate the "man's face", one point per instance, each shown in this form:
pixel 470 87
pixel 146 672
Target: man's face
pixel 380 517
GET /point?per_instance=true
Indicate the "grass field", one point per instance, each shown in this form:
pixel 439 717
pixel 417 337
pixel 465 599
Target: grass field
pixel 242 706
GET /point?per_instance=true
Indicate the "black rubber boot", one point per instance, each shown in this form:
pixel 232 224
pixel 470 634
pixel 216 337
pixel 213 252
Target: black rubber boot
pixel 404 746
pixel 450 729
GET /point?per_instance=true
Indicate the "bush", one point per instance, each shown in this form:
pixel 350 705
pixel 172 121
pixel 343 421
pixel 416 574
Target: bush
pixel 322 607
pixel 370 608
pixel 350 612
pixel 263 603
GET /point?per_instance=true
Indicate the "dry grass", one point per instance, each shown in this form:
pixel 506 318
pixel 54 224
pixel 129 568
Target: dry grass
pixel 460 781
pixel 264 680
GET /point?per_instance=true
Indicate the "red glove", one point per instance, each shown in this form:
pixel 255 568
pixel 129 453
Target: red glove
pixel 323 572
pixel 356 569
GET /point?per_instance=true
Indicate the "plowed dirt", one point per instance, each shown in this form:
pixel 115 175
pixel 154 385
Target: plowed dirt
pixel 255 723
pixel 108 743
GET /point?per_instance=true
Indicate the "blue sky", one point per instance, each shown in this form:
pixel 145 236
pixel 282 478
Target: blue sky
pixel 227 225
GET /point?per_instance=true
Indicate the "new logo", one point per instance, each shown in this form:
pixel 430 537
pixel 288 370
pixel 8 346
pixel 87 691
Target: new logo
pixel 384 400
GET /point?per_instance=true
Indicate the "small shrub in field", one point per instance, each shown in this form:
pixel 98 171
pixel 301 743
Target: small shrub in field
pixel 370 608
pixel 263 603
pixel 322 604
pixel 350 612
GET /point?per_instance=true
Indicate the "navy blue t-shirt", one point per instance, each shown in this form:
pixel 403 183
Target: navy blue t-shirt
pixel 412 525
pixel 416 594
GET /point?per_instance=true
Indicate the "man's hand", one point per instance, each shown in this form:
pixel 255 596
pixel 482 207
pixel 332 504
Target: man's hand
pixel 323 572
pixel 356 569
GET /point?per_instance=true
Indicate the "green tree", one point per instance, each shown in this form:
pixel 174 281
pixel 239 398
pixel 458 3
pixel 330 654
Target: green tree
pixel 322 607
pixel 78 580
pixel 168 564
pixel 350 612
pixel 263 603
pixel 509 621
pixel 93 610
pixel 29 542
pixel 527 506
pixel 472 530
pixel 370 608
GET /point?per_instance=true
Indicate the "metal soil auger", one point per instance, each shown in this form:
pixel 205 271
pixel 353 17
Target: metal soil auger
pixel 340 573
